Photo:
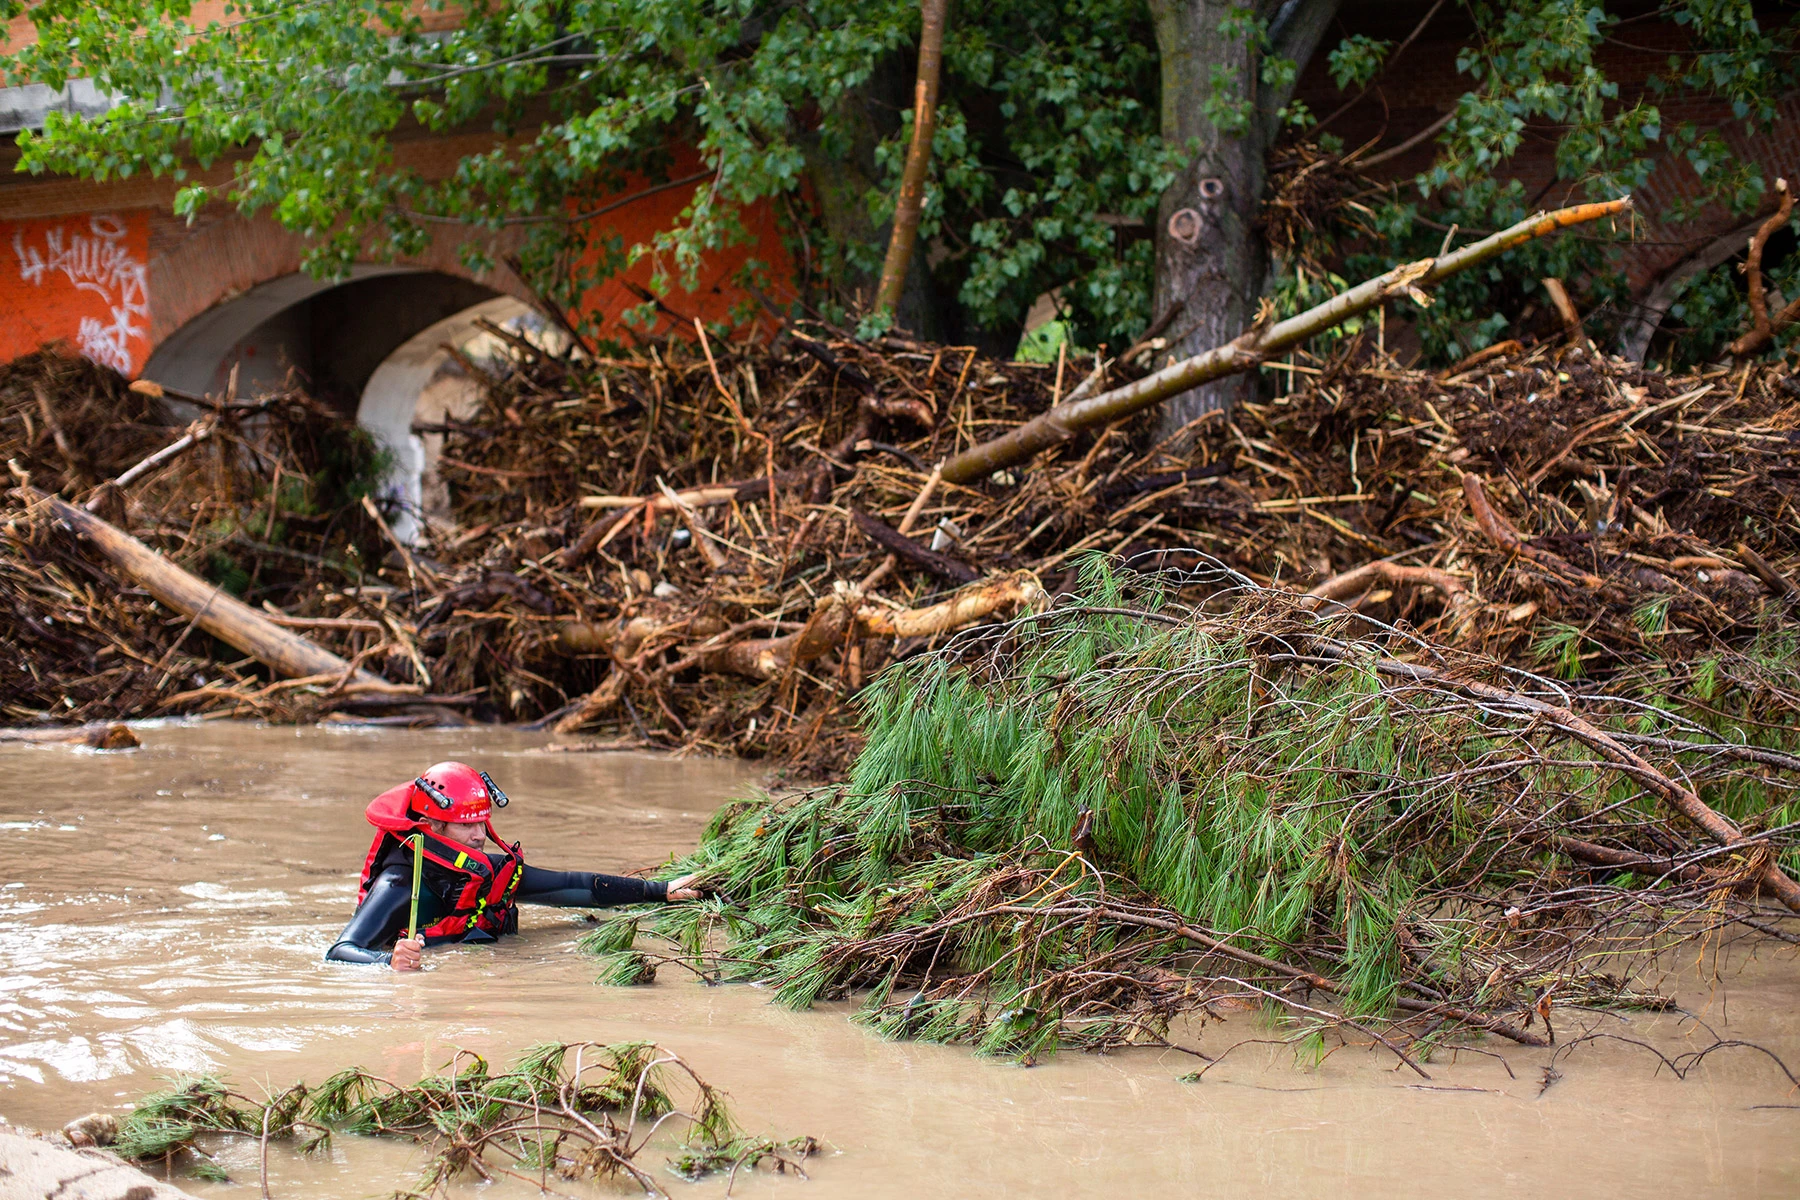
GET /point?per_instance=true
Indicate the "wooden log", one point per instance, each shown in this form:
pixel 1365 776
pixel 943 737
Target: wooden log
pixel 1254 347
pixel 891 540
pixel 829 626
pixel 974 603
pixel 212 608
pixel 101 735
pixel 844 617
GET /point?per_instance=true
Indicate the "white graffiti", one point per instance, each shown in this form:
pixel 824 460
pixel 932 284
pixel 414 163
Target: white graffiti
pixel 99 262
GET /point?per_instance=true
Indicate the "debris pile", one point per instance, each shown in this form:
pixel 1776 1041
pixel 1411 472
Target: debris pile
pixel 1178 795
pixel 714 546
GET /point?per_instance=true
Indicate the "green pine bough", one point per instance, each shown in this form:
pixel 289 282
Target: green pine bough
pixel 572 1109
pixel 1178 795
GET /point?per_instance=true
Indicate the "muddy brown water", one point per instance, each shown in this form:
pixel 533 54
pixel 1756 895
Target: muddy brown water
pixel 165 911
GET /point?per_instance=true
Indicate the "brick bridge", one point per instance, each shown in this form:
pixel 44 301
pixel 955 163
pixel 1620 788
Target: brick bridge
pixel 107 269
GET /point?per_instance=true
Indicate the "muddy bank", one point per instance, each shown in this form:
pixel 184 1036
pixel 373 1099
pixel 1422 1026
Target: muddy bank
pixel 152 934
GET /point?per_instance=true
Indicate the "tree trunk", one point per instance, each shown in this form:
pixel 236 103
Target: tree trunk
pixel 1208 253
pixel 842 172
pixel 908 206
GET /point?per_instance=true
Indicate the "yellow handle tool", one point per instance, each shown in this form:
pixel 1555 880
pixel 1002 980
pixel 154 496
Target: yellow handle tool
pixel 418 845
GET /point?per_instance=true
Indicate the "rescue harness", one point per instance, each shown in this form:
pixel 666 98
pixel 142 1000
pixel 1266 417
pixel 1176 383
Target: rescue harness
pixel 483 898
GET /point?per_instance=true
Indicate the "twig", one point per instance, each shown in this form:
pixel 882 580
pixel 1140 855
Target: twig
pixel 196 433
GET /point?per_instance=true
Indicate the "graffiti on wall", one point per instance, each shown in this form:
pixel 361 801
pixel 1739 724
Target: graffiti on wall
pixel 80 280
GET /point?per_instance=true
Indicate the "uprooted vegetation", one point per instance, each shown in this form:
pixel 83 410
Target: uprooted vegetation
pixel 565 1111
pixel 688 547
pixel 1180 793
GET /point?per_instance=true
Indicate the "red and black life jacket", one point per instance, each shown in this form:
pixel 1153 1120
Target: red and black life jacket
pixel 484 899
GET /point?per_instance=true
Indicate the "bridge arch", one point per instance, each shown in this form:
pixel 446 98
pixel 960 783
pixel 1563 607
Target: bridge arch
pixel 422 385
pixel 335 333
pixel 381 346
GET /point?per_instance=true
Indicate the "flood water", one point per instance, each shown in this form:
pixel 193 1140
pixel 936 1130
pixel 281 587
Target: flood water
pixel 166 910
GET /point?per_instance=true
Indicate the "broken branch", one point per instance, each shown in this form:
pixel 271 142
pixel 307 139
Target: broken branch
pixel 1252 348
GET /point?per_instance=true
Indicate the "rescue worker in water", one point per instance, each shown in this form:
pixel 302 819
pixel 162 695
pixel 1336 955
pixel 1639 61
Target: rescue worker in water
pixel 468 893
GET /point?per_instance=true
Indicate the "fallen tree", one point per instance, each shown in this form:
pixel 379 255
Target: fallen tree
pixel 1178 792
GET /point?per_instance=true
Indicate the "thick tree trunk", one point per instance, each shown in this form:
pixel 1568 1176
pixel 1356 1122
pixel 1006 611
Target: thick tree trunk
pixel 1208 254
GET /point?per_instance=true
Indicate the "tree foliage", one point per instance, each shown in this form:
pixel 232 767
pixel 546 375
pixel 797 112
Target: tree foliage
pixel 1049 161
pixel 1535 71
pixel 1072 830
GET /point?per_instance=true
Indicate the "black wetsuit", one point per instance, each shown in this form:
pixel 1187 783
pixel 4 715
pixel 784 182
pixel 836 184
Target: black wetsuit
pixel 381 917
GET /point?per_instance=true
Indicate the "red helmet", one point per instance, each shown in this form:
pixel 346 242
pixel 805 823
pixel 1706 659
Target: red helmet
pixel 453 791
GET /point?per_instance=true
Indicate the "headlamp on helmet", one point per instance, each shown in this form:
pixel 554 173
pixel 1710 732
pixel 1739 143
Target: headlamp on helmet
pixel 455 792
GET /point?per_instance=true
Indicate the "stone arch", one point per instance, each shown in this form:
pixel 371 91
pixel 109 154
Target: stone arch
pixel 223 256
pixel 381 346
pixel 423 383
pixel 336 332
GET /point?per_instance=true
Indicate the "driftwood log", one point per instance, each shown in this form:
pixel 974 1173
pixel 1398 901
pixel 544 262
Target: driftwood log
pixel 98 735
pixel 209 606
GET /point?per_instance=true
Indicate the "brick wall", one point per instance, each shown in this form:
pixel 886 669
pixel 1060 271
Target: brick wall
pixel 189 268
pixel 1423 84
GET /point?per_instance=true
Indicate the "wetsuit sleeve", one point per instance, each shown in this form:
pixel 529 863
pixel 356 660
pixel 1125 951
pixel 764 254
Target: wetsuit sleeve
pixel 378 920
pixel 585 889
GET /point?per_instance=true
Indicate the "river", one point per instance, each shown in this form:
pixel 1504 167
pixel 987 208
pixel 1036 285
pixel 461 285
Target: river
pixel 165 910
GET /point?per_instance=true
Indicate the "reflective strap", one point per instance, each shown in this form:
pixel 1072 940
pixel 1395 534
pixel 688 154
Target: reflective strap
pixel 461 858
